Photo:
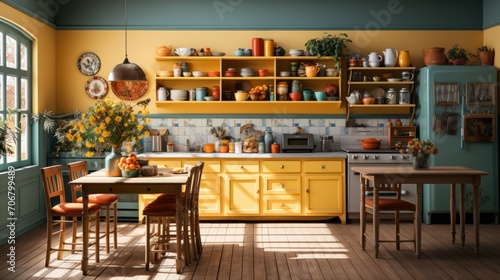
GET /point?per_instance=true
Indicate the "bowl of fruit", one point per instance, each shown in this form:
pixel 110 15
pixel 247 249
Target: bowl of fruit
pixel 129 166
pixel 258 92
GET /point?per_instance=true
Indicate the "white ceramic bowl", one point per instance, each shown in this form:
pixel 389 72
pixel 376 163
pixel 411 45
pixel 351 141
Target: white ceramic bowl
pixel 295 52
pixel 178 94
pixel 218 53
pixel 209 98
pixel 183 51
pixel 186 74
pixel 241 96
pixel 285 73
pixel 198 73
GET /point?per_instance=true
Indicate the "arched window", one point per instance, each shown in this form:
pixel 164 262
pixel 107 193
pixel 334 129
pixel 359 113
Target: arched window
pixel 16 93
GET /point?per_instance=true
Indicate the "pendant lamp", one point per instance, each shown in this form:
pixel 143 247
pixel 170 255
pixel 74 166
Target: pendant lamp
pixel 127 79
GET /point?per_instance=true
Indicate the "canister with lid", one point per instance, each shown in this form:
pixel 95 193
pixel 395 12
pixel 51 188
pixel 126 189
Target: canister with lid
pixel 404 96
pixel 391 96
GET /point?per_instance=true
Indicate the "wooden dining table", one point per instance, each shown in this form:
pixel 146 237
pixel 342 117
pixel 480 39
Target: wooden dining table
pixel 406 174
pixel 99 182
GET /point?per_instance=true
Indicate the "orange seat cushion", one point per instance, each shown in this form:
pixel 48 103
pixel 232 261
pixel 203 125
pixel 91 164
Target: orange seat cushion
pixel 157 208
pixel 70 208
pixel 102 199
pixel 385 204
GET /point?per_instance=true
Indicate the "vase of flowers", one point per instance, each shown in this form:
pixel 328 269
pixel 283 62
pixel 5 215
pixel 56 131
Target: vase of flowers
pixel 421 151
pixel 110 122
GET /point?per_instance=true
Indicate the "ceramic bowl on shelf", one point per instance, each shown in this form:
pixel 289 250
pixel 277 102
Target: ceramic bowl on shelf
pixel 218 53
pixel 254 97
pixel 368 100
pixel 186 74
pixel 263 72
pixel 178 94
pixel 230 74
pixel 285 73
pixel 295 96
pixel 198 73
pixel 241 95
pixel 296 52
pixel 183 51
pixel 209 98
pixel 376 78
pixel 213 73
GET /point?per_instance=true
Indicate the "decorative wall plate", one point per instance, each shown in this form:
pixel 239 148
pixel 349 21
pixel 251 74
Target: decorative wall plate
pixel 89 64
pixel 96 87
pixel 129 90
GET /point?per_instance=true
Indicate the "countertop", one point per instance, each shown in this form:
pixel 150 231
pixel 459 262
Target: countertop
pixel 243 155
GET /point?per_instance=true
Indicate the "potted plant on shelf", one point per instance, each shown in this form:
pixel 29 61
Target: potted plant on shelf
pixel 486 55
pixel 328 45
pixel 458 55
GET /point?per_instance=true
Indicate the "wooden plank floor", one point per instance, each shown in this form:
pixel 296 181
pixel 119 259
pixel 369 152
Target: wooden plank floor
pixel 283 250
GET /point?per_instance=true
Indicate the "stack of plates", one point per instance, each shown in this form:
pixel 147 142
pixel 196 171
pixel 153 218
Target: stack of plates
pixel 248 72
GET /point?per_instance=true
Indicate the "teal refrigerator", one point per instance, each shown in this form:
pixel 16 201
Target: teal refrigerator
pixel 456 108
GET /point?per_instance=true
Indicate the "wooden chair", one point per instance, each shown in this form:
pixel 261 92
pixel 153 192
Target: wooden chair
pixel 161 212
pixel 394 205
pixel 107 202
pixel 58 211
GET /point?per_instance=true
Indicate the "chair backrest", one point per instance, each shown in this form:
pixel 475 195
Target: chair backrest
pixel 76 170
pixel 53 184
pixel 386 188
pixel 195 191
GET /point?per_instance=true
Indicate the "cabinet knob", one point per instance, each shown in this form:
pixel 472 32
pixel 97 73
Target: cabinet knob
pixel 323 166
pixel 282 186
pixel 241 167
pixel 282 205
pixel 307 191
pixel 282 166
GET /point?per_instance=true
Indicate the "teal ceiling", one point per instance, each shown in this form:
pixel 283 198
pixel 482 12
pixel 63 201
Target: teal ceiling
pixel 261 14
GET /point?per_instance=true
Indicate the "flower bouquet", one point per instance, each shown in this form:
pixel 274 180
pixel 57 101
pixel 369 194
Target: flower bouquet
pixel 109 123
pixel 421 151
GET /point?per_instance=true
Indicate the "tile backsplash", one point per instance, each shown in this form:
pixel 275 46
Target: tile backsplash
pixel 197 130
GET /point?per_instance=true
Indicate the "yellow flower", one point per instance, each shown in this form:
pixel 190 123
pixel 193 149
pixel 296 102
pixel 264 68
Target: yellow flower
pixel 118 119
pixel 89 154
pixel 147 120
pixel 146 133
pixel 101 139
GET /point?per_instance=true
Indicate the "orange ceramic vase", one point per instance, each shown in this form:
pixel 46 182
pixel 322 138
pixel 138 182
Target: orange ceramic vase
pixel 404 58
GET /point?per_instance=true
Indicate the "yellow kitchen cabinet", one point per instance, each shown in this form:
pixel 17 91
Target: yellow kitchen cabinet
pixel 324 188
pixel 281 194
pixel 242 194
pixel 268 188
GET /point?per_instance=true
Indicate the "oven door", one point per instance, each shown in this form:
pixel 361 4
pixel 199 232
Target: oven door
pixel 354 197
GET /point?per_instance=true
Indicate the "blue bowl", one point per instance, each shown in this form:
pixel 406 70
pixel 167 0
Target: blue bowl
pixel 130 173
pixel 320 95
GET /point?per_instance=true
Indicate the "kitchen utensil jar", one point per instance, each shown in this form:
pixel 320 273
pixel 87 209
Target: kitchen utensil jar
pixel 391 96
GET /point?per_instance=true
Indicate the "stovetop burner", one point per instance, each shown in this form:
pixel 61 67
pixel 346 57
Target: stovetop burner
pixel 363 151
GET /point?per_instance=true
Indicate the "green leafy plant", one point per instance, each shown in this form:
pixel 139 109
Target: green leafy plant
pixel 459 56
pixel 328 45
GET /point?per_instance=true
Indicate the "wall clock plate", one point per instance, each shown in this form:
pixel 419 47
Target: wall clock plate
pixel 96 87
pixel 89 64
pixel 129 90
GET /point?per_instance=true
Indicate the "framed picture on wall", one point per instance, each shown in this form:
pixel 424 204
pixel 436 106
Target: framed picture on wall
pixel 480 94
pixel 446 94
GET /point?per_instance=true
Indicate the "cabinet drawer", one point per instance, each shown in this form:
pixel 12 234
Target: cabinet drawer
pixel 165 163
pixel 209 205
pixel 281 184
pixel 210 166
pixel 324 166
pixel 282 205
pixel 281 166
pixel 210 184
pixel 241 167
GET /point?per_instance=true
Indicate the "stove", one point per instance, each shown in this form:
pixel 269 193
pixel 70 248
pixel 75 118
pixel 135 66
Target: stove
pixel 350 142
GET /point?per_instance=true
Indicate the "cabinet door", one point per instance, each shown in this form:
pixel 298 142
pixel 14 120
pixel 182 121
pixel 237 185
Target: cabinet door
pixel 324 194
pixel 210 195
pixel 242 195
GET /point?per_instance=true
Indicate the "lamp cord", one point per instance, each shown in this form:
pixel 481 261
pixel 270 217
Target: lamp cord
pixel 126 56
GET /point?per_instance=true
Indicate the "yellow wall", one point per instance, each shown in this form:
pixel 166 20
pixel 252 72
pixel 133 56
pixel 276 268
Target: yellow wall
pixel 44 57
pixel 109 46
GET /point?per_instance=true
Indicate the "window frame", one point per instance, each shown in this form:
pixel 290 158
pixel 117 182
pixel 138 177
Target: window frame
pixel 22 38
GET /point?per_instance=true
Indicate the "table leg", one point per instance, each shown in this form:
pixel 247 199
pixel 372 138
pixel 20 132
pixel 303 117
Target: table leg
pixel 476 217
pixel 362 214
pixel 418 221
pixel 462 213
pixel 178 225
pixel 85 225
pixel 452 212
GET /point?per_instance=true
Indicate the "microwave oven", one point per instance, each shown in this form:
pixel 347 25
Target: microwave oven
pixel 297 143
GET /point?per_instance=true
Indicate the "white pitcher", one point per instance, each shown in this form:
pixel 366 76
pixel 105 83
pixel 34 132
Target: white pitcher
pixel 374 57
pixel 390 57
